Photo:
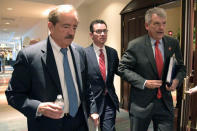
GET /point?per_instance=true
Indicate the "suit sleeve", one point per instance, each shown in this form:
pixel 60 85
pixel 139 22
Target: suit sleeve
pixel 19 87
pixel 92 108
pixel 89 97
pixel 127 65
pixel 116 63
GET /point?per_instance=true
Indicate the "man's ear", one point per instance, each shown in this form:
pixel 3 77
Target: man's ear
pixel 91 34
pixel 50 26
pixel 146 26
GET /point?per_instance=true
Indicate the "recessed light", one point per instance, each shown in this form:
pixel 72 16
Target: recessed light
pixel 7 23
pixel 16 38
pixel 5 29
pixel 46 12
pixel 9 9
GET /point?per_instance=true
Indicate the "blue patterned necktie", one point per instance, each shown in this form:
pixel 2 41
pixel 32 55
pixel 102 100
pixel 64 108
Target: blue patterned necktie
pixel 72 95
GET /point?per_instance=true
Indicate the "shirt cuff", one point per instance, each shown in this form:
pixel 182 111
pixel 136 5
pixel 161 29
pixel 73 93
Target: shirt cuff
pixel 38 114
pixel 144 85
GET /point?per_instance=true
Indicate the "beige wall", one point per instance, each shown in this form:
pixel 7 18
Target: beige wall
pixel 82 35
pixel 38 32
pixel 173 20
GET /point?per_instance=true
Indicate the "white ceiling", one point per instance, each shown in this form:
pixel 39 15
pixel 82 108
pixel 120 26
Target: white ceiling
pixel 25 14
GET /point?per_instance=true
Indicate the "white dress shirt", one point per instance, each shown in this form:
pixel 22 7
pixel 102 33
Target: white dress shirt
pixel 161 46
pixel 97 51
pixel 59 63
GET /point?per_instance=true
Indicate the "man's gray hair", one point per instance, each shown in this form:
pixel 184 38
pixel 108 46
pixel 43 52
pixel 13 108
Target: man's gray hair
pixel 156 10
pixel 54 14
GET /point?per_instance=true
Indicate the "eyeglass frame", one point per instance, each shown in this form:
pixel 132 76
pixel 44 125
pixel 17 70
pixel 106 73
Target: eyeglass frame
pixel 99 31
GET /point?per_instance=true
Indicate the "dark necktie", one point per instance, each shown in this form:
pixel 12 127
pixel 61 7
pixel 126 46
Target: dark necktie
pixel 102 64
pixel 159 64
pixel 72 95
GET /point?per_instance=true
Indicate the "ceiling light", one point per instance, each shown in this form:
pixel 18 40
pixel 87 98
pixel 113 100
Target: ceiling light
pixel 5 29
pixel 9 9
pixel 7 23
pixel 46 12
pixel 16 38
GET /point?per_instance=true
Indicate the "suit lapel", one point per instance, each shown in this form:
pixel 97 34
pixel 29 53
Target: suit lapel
pixel 94 61
pixel 109 62
pixel 166 48
pixel 149 53
pixel 76 62
pixel 167 52
pixel 50 64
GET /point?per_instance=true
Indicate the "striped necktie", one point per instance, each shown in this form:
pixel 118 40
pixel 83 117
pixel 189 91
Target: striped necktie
pixel 102 64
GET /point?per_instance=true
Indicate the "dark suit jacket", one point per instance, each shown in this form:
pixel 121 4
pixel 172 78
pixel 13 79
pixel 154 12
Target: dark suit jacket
pixel 97 83
pixel 138 64
pixel 35 79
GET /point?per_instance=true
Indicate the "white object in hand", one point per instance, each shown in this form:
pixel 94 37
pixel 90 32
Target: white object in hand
pixel 96 128
pixel 60 101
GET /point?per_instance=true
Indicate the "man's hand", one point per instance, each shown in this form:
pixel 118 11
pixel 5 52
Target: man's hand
pixel 192 90
pixel 50 110
pixel 95 118
pixel 174 85
pixel 152 84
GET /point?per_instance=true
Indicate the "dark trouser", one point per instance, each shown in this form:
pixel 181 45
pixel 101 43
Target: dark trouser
pixel 162 119
pixel 108 117
pixel 77 123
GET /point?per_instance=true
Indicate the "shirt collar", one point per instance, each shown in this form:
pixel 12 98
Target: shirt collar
pixel 54 45
pixel 153 41
pixel 96 48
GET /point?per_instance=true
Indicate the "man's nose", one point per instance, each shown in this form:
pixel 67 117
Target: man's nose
pixel 162 26
pixel 72 31
pixel 102 33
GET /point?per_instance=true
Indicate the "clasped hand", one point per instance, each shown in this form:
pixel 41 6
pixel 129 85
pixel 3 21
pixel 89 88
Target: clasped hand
pixel 51 110
pixel 152 84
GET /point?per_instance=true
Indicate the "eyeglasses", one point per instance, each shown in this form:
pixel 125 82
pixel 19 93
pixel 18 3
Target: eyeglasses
pixel 100 31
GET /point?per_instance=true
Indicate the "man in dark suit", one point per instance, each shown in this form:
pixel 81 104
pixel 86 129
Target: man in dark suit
pixel 144 65
pixel 40 75
pixel 102 66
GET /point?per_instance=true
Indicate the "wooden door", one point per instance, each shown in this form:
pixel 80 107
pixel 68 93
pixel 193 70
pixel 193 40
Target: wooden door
pixel 133 27
pixel 188 112
pixel 193 98
pixel 193 105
